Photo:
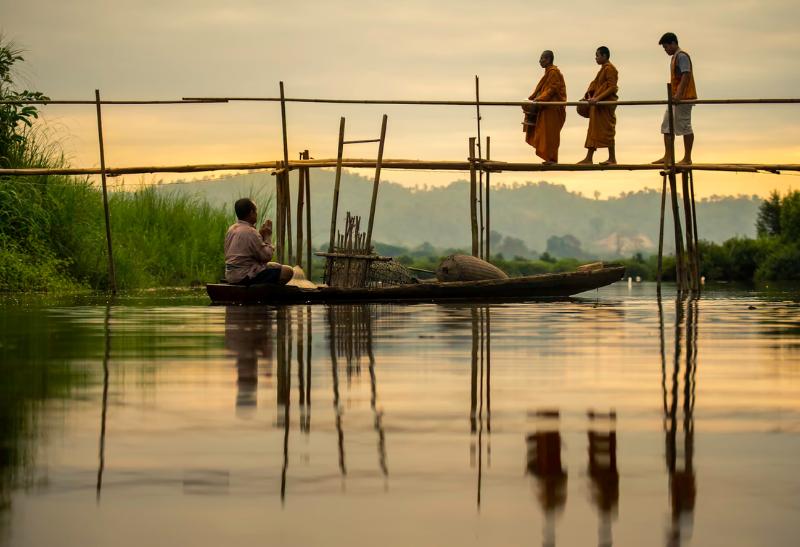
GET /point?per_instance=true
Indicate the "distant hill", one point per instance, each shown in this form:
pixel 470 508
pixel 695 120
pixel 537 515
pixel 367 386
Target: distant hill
pixel 525 215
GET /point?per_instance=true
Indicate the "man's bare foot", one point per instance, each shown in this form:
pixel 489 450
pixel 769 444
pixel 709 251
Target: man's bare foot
pixel 548 162
pixel 684 161
pixel 609 161
pixel 585 161
pixel 660 161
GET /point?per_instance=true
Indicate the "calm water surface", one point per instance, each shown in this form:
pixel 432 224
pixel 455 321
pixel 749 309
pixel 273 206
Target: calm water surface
pixel 614 418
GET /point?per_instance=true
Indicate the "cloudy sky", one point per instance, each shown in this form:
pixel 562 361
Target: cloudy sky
pixel 168 49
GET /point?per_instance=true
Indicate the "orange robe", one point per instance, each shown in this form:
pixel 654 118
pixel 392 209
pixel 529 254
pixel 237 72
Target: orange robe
pixel 545 136
pixel 602 119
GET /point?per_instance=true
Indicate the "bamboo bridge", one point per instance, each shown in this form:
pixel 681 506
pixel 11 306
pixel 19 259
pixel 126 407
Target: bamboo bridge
pixel 478 164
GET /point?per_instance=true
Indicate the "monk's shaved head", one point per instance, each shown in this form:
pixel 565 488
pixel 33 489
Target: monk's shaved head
pixel 603 50
pixel 549 54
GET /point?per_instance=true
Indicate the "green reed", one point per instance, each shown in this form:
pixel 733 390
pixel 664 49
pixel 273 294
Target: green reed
pixel 52 232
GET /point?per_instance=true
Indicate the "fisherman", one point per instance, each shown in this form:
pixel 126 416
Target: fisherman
pixel 543 123
pixel 682 89
pixel 602 118
pixel 248 251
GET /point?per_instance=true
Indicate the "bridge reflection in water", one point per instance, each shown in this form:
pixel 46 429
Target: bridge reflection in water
pixel 285 336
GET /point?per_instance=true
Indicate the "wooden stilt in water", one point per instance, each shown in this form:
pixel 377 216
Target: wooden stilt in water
pixel 336 184
pixel 680 271
pixel 680 264
pixel 661 234
pixel 112 276
pixel 488 255
pixel 687 215
pixel 285 229
pixel 696 237
pixel 378 164
pixel 309 264
pixel 279 222
pixel 301 182
pixel 473 197
pixel 480 173
pixel 287 203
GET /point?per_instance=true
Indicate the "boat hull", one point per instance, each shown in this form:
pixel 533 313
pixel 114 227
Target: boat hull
pixel 536 287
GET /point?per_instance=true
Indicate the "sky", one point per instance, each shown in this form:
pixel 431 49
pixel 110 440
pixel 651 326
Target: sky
pixel 168 49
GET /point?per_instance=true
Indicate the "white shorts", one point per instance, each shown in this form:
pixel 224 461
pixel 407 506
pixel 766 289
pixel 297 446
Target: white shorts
pixel 682 120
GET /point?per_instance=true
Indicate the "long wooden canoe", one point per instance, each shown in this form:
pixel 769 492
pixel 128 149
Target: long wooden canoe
pixel 535 287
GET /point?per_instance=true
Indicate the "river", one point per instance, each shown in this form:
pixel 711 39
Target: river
pixel 612 418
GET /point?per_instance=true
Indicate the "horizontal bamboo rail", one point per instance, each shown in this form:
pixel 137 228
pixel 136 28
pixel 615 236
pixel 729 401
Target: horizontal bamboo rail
pixel 485 165
pixel 424 102
pixel 493 103
pixel 123 102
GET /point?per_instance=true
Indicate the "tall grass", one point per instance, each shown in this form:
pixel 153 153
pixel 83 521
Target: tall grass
pixel 52 232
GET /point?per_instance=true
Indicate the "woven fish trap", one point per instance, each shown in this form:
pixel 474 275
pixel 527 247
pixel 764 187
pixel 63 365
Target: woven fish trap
pixel 388 273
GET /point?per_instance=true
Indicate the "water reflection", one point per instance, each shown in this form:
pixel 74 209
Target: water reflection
pixel 501 424
pixel 603 473
pixel 544 464
pixel 103 414
pixel 679 457
pixel 481 367
pixel 248 335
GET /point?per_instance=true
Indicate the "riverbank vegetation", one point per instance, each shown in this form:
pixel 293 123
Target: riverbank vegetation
pixel 52 233
pixel 774 255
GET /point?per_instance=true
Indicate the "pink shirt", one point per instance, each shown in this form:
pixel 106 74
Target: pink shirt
pixel 246 253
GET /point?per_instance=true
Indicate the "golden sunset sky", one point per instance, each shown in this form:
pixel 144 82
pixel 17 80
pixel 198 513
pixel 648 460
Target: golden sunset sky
pixel 414 49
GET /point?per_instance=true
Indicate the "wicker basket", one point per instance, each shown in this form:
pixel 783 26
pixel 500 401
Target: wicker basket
pixel 467 268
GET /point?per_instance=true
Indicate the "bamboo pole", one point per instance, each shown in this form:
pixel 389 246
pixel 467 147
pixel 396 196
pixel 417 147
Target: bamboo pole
pixel 480 173
pixel 488 254
pixel 337 184
pixel 473 197
pixel 112 276
pixel 378 164
pixel 679 264
pixel 286 231
pixel 301 182
pixel 430 102
pixel 687 216
pixel 694 231
pixel 661 234
pixel 308 218
pixel 280 211
pixel 287 197
pixel 402 164
pixel 120 102
pixel 680 269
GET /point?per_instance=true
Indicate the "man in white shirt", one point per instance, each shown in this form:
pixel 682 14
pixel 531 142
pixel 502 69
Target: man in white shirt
pixel 248 251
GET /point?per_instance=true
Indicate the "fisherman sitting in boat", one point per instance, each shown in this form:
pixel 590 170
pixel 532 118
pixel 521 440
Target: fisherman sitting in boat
pixel 248 251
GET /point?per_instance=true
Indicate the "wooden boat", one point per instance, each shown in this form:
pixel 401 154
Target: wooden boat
pixel 535 287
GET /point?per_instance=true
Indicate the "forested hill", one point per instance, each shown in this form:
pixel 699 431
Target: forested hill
pixel 525 215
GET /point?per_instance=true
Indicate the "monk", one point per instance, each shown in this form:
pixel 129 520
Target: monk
pixel 602 118
pixel 683 89
pixel 545 134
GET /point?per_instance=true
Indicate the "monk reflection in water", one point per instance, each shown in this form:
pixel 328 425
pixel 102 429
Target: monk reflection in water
pixel 544 463
pixel 602 118
pixel 543 123
pixel 247 334
pixel 603 473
